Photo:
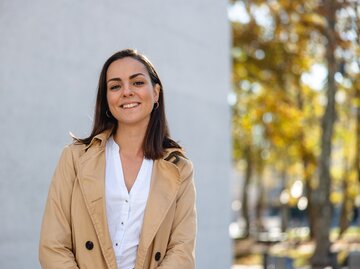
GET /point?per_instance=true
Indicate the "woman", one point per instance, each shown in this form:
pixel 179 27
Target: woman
pixel 124 197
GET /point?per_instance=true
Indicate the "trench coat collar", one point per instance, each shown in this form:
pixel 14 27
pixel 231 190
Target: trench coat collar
pixel 165 182
pixel 101 138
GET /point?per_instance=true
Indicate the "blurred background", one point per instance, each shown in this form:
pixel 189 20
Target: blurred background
pixel 264 95
pixel 296 133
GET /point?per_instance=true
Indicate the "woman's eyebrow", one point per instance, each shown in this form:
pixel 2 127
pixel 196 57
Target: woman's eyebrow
pixel 135 75
pixel 131 77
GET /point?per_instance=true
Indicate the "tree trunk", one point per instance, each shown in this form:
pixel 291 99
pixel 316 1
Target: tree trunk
pixel 284 212
pixel 308 159
pixel 259 203
pixel 347 204
pixel 311 214
pixel 244 203
pixel 321 197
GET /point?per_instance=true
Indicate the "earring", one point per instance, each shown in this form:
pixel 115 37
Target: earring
pixel 107 114
pixel 156 105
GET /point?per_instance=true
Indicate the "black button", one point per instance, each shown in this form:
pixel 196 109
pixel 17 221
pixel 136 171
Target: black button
pixel 157 256
pixel 89 245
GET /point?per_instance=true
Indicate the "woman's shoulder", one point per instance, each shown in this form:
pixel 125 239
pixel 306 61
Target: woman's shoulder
pixel 76 147
pixel 72 151
pixel 80 146
pixel 177 156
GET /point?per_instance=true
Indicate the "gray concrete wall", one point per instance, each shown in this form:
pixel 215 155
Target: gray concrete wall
pixel 51 53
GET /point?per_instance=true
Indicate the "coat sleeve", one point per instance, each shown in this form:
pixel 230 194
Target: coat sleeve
pixel 181 248
pixel 55 248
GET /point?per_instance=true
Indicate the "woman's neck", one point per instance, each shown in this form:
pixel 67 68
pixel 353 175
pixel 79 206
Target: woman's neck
pixel 130 140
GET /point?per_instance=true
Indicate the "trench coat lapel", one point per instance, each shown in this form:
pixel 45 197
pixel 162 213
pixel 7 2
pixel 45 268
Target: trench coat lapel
pixel 92 183
pixel 164 187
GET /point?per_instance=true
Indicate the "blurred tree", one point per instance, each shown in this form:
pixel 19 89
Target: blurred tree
pixel 270 55
pixel 349 101
pixel 321 195
pixel 283 118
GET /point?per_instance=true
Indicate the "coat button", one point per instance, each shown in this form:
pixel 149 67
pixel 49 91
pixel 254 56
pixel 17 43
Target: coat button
pixel 89 245
pixel 157 256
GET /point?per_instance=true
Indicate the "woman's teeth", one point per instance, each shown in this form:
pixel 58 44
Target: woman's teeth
pixel 130 105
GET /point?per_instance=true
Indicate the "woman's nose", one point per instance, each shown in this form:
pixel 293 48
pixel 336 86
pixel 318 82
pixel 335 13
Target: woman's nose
pixel 127 91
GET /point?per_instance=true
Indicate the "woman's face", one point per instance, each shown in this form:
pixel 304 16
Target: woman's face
pixel 130 93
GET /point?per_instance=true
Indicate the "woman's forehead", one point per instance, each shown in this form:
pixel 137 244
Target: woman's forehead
pixel 126 67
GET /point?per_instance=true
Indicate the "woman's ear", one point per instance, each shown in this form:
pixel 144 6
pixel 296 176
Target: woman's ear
pixel 157 91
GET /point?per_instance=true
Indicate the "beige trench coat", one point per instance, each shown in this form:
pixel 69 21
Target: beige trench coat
pixel 75 233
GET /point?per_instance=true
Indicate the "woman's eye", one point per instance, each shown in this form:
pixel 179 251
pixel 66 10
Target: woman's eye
pixel 115 87
pixel 138 83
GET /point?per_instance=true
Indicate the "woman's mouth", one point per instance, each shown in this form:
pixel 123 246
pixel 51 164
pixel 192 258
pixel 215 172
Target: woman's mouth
pixel 129 105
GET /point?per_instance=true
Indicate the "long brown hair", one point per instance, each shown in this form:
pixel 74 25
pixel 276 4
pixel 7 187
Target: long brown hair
pixel 157 137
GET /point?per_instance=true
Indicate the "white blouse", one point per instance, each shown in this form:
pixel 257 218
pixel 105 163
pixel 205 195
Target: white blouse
pixel 125 210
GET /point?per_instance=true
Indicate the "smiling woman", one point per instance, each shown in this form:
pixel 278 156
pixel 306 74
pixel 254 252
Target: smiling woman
pixel 124 197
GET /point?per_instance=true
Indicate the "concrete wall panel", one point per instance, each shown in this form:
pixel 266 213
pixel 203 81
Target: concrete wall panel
pixel 51 54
